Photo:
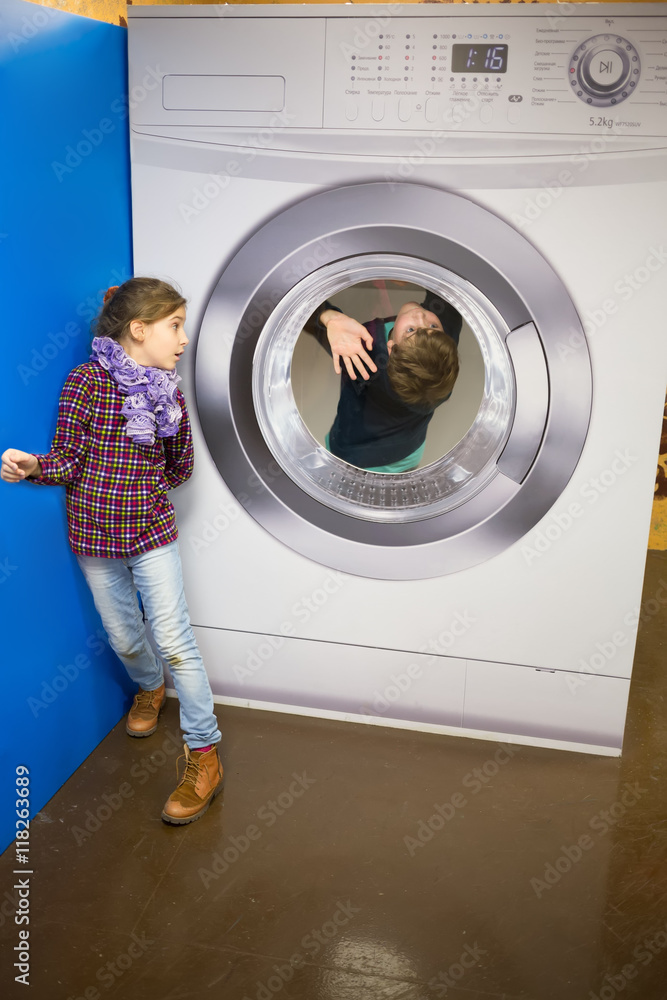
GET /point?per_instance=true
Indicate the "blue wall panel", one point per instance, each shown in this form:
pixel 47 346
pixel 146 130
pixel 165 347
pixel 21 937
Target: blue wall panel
pixel 64 238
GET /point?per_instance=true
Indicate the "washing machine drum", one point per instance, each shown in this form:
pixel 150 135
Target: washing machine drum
pixel 495 482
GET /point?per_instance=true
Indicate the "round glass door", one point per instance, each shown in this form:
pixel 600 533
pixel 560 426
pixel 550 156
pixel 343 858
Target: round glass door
pixel 290 398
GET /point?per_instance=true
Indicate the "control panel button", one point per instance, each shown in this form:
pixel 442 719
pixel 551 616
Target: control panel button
pixel 404 109
pixel 602 69
pixel 606 69
pixel 351 110
pixel 431 109
pixel 377 109
pixel 485 113
pixel 514 114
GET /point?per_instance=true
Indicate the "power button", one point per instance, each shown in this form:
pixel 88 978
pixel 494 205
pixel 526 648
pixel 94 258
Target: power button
pixel 605 69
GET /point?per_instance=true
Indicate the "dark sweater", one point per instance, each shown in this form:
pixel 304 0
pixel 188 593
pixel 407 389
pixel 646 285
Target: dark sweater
pixel 373 426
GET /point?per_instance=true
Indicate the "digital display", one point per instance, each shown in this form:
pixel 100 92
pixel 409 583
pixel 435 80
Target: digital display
pixel 479 58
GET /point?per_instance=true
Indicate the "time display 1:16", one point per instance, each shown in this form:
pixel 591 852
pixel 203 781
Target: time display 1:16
pixel 479 58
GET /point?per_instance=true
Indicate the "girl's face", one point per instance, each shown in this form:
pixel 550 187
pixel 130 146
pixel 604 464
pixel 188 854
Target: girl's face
pixel 159 344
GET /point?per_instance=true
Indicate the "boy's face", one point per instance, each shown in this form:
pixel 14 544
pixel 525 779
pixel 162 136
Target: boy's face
pixel 411 317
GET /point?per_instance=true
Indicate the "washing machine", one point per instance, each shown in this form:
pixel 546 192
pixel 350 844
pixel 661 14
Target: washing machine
pixel 513 161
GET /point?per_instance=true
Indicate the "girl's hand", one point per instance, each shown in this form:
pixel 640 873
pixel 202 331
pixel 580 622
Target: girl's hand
pixel 16 465
pixel 347 338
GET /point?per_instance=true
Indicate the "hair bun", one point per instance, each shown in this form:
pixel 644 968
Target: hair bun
pixel 108 295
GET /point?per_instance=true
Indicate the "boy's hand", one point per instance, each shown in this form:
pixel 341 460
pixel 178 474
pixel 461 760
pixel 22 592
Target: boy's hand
pixel 347 338
pixel 16 465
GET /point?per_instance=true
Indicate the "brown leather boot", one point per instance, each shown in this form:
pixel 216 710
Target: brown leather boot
pixel 201 782
pixel 147 705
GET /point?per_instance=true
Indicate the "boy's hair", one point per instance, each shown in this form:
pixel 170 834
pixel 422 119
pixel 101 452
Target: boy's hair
pixel 147 299
pixel 423 369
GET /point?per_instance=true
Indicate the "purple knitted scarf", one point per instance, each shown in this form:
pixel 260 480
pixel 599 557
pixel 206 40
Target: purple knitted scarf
pixel 151 406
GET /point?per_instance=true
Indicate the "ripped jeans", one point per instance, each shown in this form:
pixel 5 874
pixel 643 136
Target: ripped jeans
pixel 158 577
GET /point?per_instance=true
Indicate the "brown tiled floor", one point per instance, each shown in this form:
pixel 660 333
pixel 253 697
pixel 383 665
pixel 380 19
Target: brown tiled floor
pixel 549 883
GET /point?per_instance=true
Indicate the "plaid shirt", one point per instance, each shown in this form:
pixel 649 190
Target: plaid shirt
pixel 117 501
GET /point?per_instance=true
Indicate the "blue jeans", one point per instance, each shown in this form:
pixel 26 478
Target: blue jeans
pixel 157 576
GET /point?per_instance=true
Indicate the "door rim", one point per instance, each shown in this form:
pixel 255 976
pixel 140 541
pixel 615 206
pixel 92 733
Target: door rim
pixel 428 222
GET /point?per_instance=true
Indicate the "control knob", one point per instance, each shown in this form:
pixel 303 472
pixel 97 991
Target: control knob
pixel 604 70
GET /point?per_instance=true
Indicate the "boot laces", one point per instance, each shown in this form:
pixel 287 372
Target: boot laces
pixel 192 769
pixel 145 699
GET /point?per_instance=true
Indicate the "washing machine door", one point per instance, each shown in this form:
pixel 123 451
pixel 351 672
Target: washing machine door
pixel 506 470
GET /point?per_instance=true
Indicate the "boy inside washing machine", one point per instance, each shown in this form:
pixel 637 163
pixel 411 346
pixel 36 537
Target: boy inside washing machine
pixel 407 363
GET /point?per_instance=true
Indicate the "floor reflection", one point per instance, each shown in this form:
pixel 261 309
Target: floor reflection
pixel 548 884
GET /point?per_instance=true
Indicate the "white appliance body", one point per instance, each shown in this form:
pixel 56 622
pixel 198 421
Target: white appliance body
pixel 514 160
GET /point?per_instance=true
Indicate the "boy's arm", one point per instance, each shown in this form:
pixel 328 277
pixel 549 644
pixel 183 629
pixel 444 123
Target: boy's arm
pixel 178 450
pixel 343 337
pixel 316 328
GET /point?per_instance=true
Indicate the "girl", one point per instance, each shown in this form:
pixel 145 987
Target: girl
pixel 122 440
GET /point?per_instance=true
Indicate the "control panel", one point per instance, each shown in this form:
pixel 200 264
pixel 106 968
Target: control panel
pixel 557 74
pixel 320 71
